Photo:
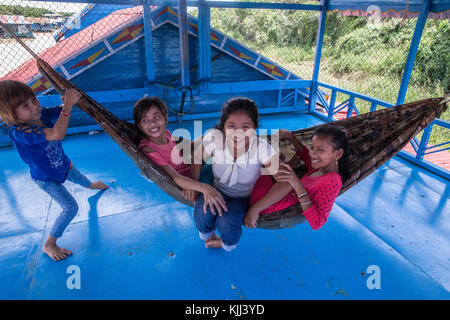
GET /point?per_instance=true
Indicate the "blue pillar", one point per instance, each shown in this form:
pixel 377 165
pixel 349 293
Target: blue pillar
pixel 204 42
pixel 148 44
pixel 424 141
pixel 184 42
pixel 315 77
pixel 413 51
pixel 332 105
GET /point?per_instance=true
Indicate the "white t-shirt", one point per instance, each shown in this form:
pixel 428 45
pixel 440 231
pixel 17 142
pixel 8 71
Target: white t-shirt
pixel 236 178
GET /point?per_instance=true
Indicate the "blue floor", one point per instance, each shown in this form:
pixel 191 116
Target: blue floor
pixel 135 242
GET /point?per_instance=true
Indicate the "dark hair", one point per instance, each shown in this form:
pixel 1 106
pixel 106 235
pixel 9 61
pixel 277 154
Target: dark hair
pixel 238 104
pixel 143 105
pixel 339 140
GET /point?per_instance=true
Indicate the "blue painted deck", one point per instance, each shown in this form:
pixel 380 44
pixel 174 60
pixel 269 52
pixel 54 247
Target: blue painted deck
pixel 134 241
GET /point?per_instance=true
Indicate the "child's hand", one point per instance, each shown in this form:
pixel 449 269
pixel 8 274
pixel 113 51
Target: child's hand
pixel 285 134
pixel 71 97
pixel 214 199
pixel 286 174
pixel 190 195
pixel 288 135
pixel 251 218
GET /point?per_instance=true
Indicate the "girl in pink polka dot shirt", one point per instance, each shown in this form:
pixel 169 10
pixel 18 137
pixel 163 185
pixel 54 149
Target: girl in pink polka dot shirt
pixel 328 167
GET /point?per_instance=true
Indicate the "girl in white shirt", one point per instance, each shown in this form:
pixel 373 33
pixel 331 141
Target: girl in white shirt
pixel 238 156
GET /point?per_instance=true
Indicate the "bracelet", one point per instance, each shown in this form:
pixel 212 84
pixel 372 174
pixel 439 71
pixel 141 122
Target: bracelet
pixel 305 203
pixel 301 195
pixel 67 114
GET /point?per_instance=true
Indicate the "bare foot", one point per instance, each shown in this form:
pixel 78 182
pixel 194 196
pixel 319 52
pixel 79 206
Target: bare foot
pixel 213 237
pixel 55 252
pixel 213 242
pixel 98 185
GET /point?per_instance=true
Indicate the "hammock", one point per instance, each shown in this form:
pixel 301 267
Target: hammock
pixel 374 138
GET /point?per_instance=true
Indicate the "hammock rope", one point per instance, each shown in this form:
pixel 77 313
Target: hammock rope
pixel 374 138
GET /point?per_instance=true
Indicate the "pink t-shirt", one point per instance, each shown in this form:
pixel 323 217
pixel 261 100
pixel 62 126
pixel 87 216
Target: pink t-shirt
pixel 166 154
pixel 322 191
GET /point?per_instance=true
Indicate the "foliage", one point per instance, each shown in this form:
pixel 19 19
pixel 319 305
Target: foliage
pixel 26 11
pixel 358 54
pixel 23 11
pixel 354 43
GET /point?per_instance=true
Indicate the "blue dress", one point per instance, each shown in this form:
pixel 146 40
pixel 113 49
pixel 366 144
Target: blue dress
pixel 46 159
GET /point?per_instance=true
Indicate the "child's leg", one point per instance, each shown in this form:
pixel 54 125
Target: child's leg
pixel 267 197
pixel 205 222
pixel 69 205
pixel 261 188
pixel 230 223
pixel 77 177
pixel 275 198
pixel 70 208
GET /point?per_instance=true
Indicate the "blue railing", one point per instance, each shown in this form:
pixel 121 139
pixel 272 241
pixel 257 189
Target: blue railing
pixel 420 146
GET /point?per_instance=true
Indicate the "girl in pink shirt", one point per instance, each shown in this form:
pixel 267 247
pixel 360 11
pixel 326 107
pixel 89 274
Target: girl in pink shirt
pixel 150 118
pixel 328 167
pixel 165 153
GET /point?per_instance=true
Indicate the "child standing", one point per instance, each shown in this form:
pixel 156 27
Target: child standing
pixel 36 133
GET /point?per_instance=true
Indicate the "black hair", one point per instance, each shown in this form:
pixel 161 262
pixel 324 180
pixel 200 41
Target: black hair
pixel 238 104
pixel 142 106
pixel 339 140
